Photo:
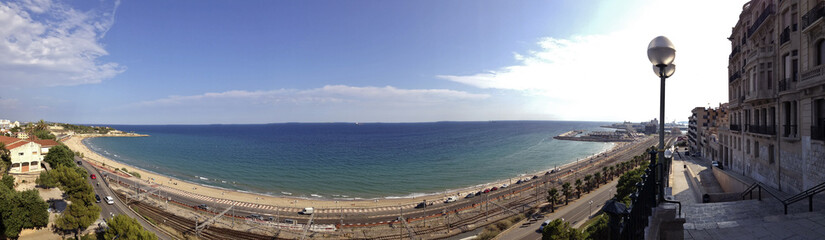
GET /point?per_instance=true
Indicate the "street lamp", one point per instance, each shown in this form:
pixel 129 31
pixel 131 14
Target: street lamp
pixel 661 54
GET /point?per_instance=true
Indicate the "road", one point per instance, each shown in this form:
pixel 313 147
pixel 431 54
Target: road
pixel 576 213
pixel 107 211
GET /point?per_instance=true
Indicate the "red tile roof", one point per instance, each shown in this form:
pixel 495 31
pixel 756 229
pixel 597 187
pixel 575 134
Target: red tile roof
pixel 12 143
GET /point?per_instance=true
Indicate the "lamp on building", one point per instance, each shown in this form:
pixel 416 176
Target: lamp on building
pixel 661 54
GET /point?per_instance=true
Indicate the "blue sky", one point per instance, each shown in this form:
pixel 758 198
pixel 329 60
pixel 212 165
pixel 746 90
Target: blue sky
pixel 201 62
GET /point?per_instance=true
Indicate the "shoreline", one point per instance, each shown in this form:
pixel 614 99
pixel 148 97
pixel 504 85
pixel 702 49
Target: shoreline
pixel 76 144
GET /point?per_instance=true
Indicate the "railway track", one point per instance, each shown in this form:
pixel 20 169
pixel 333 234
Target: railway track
pixel 186 226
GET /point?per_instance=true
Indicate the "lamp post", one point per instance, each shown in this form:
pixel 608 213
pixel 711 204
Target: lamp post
pixel 661 54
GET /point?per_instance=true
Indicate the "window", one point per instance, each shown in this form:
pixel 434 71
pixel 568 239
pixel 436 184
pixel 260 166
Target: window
pixel 756 148
pixel 770 154
pixel 21 154
pixel 748 146
pixel 820 52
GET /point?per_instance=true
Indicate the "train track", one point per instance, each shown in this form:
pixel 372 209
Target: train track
pixel 186 226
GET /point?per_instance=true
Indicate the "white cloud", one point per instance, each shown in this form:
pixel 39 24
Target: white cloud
pixel 44 43
pixel 608 76
pixel 326 94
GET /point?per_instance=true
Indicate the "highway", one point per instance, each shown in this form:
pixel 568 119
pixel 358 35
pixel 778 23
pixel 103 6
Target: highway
pixel 107 211
pixel 576 213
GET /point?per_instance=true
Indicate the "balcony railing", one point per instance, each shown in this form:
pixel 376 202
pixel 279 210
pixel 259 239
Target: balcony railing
pixel 818 132
pixel 790 130
pixel 785 36
pixel 734 76
pixel 735 127
pixel 812 15
pixel 814 72
pixel 765 14
pixel 734 52
pixel 783 84
pixel 768 130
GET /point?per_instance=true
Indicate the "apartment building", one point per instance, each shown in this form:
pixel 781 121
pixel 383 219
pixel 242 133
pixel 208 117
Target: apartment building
pixel 703 131
pixel 776 94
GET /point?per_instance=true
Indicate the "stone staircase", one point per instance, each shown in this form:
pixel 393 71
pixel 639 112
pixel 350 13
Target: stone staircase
pixel 754 219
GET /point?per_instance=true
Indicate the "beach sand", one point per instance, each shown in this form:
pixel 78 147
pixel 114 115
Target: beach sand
pixel 75 143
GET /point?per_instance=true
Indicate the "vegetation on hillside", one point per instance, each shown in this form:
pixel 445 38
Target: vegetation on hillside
pixel 60 156
pixel 85 129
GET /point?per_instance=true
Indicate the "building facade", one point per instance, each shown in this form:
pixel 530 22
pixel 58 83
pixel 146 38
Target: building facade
pixel 703 131
pixel 776 94
pixel 26 155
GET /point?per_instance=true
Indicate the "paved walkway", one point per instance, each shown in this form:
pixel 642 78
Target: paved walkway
pixel 748 219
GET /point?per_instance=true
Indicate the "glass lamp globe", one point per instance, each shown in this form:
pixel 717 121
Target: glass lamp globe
pixel 669 70
pixel 668 153
pixel 660 51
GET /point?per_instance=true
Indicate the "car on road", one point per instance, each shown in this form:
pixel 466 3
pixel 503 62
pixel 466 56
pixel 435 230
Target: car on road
pixel 97 198
pixel 203 206
pixel 541 228
pixel 256 217
pixel 307 211
pixel 109 200
pixel 79 163
pixel 93 176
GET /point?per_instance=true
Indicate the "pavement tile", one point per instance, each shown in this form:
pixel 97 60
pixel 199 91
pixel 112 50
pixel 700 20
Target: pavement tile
pixel 710 225
pixel 727 224
pixel 699 234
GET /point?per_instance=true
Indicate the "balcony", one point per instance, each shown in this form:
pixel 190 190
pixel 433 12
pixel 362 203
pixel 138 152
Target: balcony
pixel 767 130
pixel 786 85
pixel 765 14
pixel 790 131
pixel 735 127
pixel 811 77
pixel 813 15
pixel 734 76
pixel 734 52
pixel 785 36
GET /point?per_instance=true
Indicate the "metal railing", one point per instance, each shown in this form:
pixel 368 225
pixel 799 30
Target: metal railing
pixel 765 14
pixel 644 199
pixel 734 52
pixel 733 76
pixel 735 127
pixel 809 194
pixel 812 15
pixel 769 129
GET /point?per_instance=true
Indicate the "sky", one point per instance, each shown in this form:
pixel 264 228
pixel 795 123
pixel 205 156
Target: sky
pixel 260 61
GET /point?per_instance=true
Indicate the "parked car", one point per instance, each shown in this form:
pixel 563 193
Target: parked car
pixel 79 163
pixel 504 186
pixel 486 190
pixel 534 176
pixel 97 198
pixel 93 176
pixel 109 200
pixel 493 189
pixel 203 206
pixel 470 195
pixel 451 199
pixel 256 216
pixel 519 181
pixel 478 193
pixel 421 205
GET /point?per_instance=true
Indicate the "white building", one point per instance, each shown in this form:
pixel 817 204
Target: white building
pixel 26 155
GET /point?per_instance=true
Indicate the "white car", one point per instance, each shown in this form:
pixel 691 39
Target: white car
pixel 109 200
pixel 451 199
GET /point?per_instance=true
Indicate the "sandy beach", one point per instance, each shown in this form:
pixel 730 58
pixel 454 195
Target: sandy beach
pixel 75 143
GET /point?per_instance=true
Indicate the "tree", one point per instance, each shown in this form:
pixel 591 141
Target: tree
pixel 560 230
pixel 599 229
pixel 578 188
pixel 598 177
pixel 565 190
pixel 627 184
pixel 78 216
pixel 553 198
pixel 8 181
pixel 46 180
pixel 587 182
pixel 19 210
pixel 60 155
pixel 126 228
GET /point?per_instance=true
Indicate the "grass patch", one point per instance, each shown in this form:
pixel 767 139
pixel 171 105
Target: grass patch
pixel 591 221
pixel 496 228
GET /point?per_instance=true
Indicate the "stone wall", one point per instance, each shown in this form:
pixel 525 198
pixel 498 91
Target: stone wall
pixel 729 183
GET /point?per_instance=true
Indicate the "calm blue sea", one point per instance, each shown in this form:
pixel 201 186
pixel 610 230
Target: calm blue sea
pixel 348 160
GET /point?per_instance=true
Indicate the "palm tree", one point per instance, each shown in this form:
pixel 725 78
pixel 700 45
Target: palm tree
pixel 565 189
pixel 604 170
pixel 612 172
pixel 598 177
pixel 588 182
pixel 578 188
pixel 553 198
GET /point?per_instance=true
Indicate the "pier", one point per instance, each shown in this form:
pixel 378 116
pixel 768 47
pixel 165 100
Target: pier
pixel 576 135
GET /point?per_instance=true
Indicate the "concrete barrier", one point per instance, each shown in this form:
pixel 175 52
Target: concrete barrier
pixel 729 183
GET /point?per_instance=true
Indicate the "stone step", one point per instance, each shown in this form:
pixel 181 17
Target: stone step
pixel 805 225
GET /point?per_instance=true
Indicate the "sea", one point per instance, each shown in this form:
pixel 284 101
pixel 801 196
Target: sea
pixel 349 160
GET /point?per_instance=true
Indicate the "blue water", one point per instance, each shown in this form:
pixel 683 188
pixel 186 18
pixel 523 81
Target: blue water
pixel 347 160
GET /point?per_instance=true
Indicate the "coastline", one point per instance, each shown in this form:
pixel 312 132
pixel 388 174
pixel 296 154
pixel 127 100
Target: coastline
pixel 76 144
